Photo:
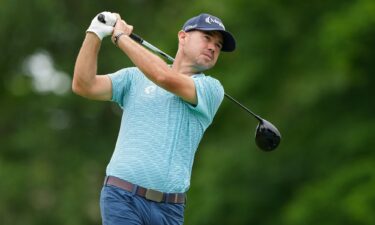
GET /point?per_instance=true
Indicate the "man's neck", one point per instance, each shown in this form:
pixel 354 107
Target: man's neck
pixel 184 67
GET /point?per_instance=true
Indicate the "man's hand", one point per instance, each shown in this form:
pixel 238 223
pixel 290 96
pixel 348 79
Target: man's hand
pixel 103 29
pixel 121 28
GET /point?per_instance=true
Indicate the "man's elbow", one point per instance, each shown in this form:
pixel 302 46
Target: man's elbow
pixel 162 80
pixel 78 88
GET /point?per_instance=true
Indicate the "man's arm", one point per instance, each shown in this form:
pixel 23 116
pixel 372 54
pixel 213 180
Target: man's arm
pixel 85 81
pixel 154 67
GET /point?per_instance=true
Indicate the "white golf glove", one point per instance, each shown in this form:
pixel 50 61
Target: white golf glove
pixel 103 27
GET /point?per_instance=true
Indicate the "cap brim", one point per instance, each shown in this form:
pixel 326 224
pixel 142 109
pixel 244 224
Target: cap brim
pixel 229 43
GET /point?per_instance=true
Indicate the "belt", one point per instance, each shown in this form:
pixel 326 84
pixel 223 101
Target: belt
pixel 148 194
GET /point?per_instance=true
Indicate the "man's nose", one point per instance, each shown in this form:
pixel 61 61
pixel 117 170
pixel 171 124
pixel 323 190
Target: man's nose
pixel 211 47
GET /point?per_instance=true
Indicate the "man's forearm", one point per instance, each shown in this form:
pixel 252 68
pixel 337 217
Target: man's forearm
pixel 86 64
pixel 158 71
pixel 151 65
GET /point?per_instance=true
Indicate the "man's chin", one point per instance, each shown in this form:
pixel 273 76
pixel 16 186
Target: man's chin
pixel 204 67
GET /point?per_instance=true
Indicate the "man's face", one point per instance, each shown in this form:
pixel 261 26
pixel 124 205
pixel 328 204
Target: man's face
pixel 202 48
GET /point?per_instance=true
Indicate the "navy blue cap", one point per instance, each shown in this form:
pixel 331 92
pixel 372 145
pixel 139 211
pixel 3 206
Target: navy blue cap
pixel 207 22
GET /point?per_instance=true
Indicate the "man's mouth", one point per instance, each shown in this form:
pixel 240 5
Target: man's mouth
pixel 210 56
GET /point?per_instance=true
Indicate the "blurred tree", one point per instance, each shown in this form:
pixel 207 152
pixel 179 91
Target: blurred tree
pixel 305 66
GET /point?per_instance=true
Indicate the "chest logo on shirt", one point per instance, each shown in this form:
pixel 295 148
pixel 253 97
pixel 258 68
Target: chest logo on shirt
pixel 150 89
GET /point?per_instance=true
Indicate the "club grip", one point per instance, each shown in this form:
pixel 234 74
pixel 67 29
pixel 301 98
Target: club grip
pixel 101 18
pixel 133 36
pixel 136 38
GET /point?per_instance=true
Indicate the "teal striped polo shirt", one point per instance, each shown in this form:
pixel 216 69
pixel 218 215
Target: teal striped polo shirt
pixel 159 132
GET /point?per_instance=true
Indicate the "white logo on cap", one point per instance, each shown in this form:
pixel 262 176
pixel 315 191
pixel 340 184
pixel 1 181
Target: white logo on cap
pixel 210 20
pixel 191 27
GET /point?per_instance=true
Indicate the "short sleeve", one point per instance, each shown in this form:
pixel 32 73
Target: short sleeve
pixel 210 94
pixel 121 82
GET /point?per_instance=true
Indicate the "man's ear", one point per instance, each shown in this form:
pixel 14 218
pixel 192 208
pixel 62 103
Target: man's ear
pixel 181 36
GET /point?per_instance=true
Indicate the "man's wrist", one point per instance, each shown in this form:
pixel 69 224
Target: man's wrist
pixel 93 34
pixel 116 38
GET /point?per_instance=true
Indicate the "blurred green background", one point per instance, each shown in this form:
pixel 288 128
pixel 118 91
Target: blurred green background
pixel 306 66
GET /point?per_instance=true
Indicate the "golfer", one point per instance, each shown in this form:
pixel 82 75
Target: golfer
pixel 166 110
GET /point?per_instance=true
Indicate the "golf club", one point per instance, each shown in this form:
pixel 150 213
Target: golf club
pixel 267 137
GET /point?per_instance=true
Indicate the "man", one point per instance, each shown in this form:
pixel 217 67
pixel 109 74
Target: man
pixel 166 111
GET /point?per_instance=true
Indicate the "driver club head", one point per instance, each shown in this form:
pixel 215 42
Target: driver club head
pixel 267 137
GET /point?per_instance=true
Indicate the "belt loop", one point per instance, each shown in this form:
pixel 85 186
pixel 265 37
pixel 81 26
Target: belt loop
pixel 105 180
pixel 134 190
pixel 166 197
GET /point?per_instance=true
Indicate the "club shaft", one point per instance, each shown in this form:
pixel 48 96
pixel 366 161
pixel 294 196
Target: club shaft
pixel 243 107
pixel 267 136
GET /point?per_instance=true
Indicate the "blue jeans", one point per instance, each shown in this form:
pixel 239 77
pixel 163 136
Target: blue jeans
pixel 120 207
